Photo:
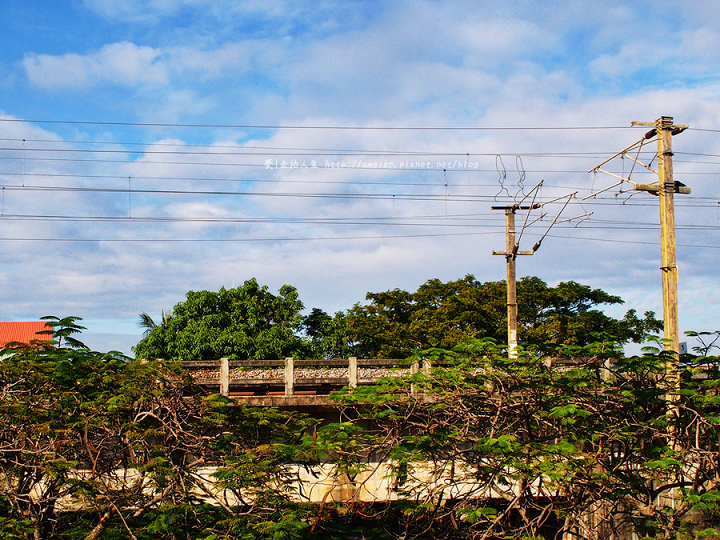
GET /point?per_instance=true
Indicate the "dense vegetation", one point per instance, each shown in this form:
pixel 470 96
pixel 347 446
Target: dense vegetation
pixel 239 323
pixel 96 445
pixel 93 445
pixel 494 448
pixel 251 322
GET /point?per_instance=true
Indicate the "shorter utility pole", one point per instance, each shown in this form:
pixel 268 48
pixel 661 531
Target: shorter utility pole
pixel 511 252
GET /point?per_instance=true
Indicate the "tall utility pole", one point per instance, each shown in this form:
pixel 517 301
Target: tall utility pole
pixel 511 252
pixel 665 190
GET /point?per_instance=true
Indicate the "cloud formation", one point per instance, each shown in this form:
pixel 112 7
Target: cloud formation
pixel 130 65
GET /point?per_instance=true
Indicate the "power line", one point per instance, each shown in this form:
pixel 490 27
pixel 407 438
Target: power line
pixel 317 127
pixel 414 221
pixel 243 240
pixel 289 151
pixel 239 146
pixel 374 196
pixel 438 197
pixel 330 238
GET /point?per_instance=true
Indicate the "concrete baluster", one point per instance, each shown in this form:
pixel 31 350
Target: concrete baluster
pixel 353 371
pixel 289 376
pixel 224 376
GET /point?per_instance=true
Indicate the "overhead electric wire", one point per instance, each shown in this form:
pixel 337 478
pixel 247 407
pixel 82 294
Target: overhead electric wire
pixel 302 127
pixel 438 197
pixel 697 202
pixel 360 165
pixel 293 151
pixel 125 177
pixel 408 221
pixel 437 220
pixel 639 242
pixel 245 239
pixel 74 155
pixel 383 196
pixel 335 238
pixel 703 129
pixel 332 151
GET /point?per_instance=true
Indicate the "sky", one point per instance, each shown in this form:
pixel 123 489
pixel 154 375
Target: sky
pixel 150 148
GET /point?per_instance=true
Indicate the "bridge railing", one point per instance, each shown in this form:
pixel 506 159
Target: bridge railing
pixel 293 376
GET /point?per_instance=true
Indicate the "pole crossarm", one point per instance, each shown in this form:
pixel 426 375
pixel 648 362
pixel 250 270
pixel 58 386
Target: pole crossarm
pixel 677 187
pixel 665 122
pixel 505 253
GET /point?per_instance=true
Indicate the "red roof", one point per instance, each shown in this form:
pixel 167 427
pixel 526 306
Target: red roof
pixel 22 332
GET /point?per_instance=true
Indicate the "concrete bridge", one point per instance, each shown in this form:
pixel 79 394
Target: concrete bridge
pixel 291 382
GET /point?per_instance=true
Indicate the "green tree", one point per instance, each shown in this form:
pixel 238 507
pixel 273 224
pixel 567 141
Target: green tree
pixel 396 323
pixel 148 324
pixel 93 445
pixel 241 323
pixel 63 330
pixel 567 315
pixel 328 337
pixel 490 448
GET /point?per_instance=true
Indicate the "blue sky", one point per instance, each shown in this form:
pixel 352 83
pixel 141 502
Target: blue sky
pixel 143 144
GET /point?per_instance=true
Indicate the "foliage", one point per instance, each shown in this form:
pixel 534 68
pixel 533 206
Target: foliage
pixel 395 324
pixel 240 323
pixel 62 330
pixel 564 315
pixel 249 322
pixel 707 341
pixel 328 337
pixel 484 447
pixel 93 445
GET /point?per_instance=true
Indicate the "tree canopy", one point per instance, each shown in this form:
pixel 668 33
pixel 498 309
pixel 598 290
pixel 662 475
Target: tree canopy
pixel 485 447
pixel 397 323
pixel 250 322
pixel 247 322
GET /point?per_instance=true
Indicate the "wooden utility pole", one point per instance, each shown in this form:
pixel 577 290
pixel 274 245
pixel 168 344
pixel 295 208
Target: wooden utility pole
pixel 511 252
pixel 665 190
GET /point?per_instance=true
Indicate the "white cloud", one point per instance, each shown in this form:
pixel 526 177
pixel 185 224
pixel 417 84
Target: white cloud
pixel 175 105
pixel 127 64
pixel 685 53
pixel 495 41
pixel 150 10
pixel 124 64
